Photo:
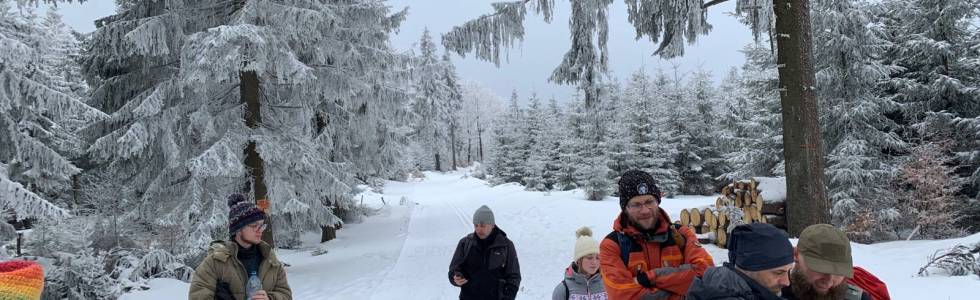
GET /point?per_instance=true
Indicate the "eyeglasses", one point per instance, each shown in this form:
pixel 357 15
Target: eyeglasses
pixel 637 205
pixel 257 226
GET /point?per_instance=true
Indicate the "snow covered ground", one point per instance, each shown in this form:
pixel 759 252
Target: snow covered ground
pixel 404 251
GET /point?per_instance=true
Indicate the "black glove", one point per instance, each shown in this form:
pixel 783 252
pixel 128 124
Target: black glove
pixel 508 292
pixel 641 278
pixel 223 291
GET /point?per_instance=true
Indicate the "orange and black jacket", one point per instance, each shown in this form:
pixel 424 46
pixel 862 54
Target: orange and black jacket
pixel 661 264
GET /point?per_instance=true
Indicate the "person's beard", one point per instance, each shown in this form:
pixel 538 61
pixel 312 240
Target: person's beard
pixel 803 290
pixel 653 225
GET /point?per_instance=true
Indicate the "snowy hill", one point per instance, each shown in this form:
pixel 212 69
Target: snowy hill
pixel 404 251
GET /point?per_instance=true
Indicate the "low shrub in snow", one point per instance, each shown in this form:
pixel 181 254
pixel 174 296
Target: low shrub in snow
pixel 959 261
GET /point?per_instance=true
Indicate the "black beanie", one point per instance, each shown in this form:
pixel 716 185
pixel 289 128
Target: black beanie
pixel 635 183
pixel 758 246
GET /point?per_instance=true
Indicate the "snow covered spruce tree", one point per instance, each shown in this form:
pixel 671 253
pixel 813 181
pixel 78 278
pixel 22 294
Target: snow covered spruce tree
pixel 592 173
pixel 39 110
pixel 968 130
pixel 700 161
pixel 285 101
pixel 60 50
pixel 671 23
pixel 436 103
pixel 454 104
pixel 509 162
pixel 645 124
pixel 935 45
pixel 538 177
pixel 570 146
pixel 856 131
pixel 548 148
pixel 757 137
pixel 619 154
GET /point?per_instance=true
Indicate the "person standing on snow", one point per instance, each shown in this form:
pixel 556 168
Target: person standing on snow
pixel 645 257
pixel 485 265
pixel 226 270
pixel 582 280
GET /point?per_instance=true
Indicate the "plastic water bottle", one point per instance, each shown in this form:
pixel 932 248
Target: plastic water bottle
pixel 253 285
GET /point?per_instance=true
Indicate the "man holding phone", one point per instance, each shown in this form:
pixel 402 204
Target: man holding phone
pixel 485 263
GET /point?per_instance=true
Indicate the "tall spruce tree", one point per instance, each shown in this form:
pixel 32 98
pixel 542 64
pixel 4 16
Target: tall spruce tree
pixel 38 111
pixel 857 134
pixel 286 101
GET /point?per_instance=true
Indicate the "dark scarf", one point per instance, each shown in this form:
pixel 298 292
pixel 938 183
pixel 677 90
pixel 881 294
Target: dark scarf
pixel 250 258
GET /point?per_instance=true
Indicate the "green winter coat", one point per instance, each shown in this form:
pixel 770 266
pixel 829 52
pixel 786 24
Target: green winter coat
pixel 222 264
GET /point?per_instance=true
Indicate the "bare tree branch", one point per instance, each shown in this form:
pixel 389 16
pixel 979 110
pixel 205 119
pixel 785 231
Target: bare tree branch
pixel 712 3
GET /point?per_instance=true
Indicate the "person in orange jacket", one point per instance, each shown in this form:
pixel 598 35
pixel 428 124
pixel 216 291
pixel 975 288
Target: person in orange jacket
pixel 646 257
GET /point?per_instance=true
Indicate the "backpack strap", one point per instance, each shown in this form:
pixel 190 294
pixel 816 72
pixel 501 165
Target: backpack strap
pixel 625 246
pixel 854 292
pixel 566 288
pixel 675 232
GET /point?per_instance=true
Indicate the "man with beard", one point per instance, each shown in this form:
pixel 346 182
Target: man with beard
pixel 823 262
pixel 485 264
pixel 760 258
pixel 645 257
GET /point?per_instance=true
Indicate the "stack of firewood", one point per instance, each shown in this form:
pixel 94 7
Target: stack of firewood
pixel 741 202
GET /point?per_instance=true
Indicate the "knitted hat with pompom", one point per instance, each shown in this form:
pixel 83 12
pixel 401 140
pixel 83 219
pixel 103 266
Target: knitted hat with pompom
pixel 21 280
pixel 241 213
pixel 584 243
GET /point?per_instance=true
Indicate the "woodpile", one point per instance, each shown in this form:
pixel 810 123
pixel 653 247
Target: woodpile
pixel 741 202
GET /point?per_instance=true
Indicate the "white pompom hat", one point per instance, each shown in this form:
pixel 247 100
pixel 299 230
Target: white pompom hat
pixel 584 243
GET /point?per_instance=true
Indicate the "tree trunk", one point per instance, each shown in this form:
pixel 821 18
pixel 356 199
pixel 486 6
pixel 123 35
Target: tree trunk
pixel 452 143
pixel 327 233
pixel 438 163
pixel 249 90
pixel 75 187
pixel 469 150
pixel 479 137
pixel 806 201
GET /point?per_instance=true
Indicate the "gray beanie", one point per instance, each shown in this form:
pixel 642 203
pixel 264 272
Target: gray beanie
pixel 483 215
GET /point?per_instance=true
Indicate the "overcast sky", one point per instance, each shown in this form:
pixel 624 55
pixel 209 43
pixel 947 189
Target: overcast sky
pixel 531 62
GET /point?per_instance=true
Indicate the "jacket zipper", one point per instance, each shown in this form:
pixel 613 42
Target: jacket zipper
pixel 588 289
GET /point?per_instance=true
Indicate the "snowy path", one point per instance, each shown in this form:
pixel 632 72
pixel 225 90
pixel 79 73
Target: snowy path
pixel 541 226
pixel 404 252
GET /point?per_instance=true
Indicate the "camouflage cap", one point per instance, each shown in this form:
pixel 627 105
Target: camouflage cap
pixel 826 249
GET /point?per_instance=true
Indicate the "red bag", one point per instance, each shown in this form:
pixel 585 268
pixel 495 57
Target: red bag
pixel 869 283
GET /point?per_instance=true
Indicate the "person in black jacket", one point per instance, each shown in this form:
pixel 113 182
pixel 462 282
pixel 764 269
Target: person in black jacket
pixel 760 258
pixel 485 263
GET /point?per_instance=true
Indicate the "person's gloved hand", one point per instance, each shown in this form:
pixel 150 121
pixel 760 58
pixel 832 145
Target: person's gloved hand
pixel 641 278
pixel 223 291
